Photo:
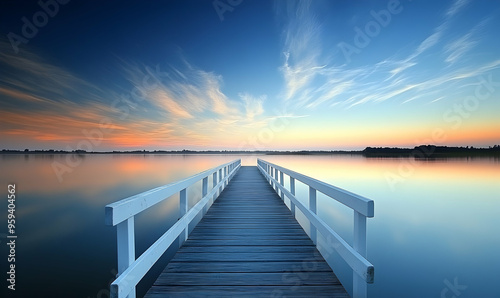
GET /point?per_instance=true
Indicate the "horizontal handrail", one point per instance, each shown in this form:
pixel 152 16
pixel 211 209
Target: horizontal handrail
pixel 119 211
pixel 359 203
pixel 132 270
pixel 355 256
pixel 359 263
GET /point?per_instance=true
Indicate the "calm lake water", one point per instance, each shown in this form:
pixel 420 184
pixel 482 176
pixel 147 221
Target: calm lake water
pixel 434 234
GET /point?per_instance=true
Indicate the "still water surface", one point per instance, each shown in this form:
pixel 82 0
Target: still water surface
pixel 435 225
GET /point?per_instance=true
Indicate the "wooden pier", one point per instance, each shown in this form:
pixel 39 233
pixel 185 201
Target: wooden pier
pixel 248 244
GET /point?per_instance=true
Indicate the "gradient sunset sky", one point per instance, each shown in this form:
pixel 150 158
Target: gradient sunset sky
pixel 249 75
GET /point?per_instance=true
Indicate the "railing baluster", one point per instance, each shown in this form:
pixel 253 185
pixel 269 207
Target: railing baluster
pixel 359 245
pixel 183 210
pixel 312 207
pixel 272 176
pixel 271 173
pixel 214 183
pixel 292 190
pixel 282 182
pixel 220 179
pixel 276 178
pixel 225 174
pixel 204 191
pixel 204 187
pixel 126 246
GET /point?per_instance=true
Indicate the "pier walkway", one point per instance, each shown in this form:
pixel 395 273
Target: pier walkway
pixel 248 243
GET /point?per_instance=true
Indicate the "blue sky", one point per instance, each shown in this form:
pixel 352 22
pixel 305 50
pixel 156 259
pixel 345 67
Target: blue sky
pixel 252 75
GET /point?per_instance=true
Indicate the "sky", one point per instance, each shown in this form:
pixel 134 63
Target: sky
pixel 248 75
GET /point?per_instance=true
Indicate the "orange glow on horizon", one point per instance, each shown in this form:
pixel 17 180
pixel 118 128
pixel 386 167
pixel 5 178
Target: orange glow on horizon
pixel 60 131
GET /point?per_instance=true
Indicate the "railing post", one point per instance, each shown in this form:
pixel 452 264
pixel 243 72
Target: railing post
pixel 214 179
pixel 183 210
pixel 225 175
pixel 312 207
pixel 276 178
pixel 204 191
pixel 126 246
pixel 282 182
pixel 292 190
pixel 271 174
pixel 359 245
pixel 214 183
pixel 204 187
pixel 220 179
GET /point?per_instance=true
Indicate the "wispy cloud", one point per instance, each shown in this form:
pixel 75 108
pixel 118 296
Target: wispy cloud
pixel 253 105
pixel 430 41
pixel 170 106
pixel 163 100
pixel 302 46
pixel 457 48
pixel 455 8
pixel 31 74
pixel 311 85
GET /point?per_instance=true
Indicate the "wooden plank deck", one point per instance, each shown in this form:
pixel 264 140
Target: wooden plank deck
pixel 248 244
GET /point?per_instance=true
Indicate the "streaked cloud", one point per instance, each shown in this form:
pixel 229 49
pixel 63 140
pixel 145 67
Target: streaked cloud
pixel 302 45
pixel 311 85
pixel 456 7
pixel 253 105
pixel 457 48
pixel 40 80
pixel 171 107
pixel 165 101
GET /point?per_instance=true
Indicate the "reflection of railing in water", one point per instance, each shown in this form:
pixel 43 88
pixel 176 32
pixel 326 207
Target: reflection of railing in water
pixel 355 256
pixel 121 214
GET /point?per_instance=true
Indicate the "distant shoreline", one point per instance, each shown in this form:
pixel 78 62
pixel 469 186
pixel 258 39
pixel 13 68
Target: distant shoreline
pixel 419 152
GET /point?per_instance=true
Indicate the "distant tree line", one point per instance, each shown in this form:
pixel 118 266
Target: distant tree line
pixel 422 151
pixel 431 151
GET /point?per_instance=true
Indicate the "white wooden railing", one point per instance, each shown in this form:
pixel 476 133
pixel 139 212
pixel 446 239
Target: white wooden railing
pixel 121 214
pixel 355 256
